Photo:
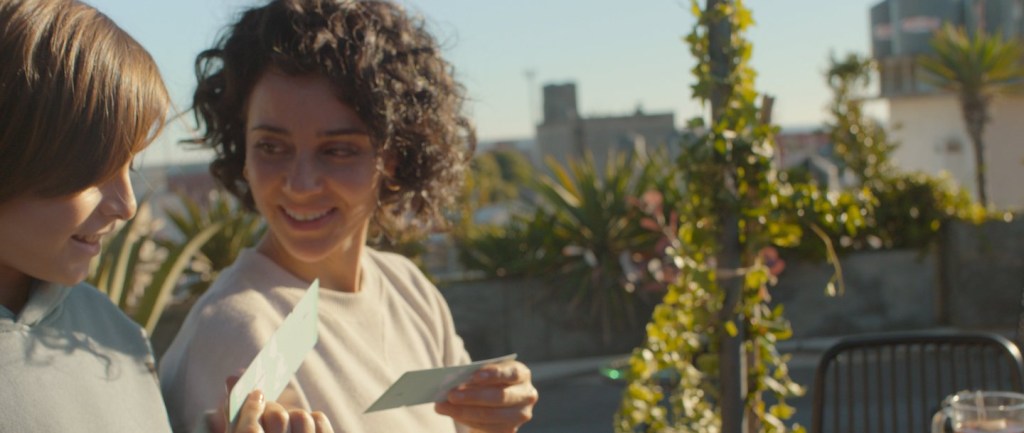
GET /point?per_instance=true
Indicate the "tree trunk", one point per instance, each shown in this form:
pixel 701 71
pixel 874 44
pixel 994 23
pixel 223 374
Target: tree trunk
pixel 975 112
pixel 732 371
pixel 719 39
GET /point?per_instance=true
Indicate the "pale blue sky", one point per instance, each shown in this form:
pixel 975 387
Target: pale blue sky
pixel 620 53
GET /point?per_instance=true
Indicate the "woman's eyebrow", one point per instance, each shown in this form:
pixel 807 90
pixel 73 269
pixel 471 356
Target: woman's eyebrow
pixel 344 131
pixel 269 128
pixel 352 130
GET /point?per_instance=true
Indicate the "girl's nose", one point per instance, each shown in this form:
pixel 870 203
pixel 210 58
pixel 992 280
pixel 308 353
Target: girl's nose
pixel 118 196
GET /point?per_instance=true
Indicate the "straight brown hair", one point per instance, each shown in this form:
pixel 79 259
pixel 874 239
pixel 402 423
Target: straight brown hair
pixel 78 98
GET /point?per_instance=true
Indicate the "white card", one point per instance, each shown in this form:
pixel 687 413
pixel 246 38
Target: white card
pixel 281 356
pixel 428 386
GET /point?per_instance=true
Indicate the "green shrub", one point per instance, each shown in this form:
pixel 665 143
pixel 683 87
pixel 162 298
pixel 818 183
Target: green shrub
pixel 585 235
pixel 908 211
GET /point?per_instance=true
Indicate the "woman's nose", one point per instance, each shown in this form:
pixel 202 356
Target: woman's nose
pixel 303 178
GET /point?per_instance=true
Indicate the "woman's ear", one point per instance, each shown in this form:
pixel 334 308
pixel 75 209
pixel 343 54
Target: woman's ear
pixel 390 164
pixel 389 175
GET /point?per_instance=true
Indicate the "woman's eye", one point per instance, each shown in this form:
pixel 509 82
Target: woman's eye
pixel 341 151
pixel 269 148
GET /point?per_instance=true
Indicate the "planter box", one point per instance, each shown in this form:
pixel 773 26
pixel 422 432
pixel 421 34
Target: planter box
pixel 885 291
pixel 978 286
pixel 496 317
pixel 984 271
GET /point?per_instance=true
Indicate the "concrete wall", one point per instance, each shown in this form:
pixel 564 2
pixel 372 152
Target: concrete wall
pixel 885 290
pixel 497 317
pixel 976 284
pixel 984 272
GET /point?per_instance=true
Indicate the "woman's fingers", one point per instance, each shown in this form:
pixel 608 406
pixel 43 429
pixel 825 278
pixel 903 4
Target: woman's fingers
pixel 301 421
pixel 323 425
pixel 494 396
pixel 476 416
pixel 497 399
pixel 507 372
pixel 274 418
pixel 250 414
pixel 277 419
pixel 260 416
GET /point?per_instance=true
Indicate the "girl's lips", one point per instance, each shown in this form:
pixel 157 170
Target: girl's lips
pixel 90 244
pixel 88 239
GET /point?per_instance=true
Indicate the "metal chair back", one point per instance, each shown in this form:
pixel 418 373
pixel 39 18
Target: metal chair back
pixel 894 382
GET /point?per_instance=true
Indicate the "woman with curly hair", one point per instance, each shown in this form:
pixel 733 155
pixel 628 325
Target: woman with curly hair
pixel 334 120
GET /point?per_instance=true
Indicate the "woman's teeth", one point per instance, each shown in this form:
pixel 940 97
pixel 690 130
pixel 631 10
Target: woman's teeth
pixel 300 216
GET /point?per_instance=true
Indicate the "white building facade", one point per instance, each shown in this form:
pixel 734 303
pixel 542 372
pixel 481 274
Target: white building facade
pixel 927 122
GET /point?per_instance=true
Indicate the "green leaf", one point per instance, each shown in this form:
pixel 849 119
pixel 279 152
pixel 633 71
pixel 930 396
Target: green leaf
pixel 730 328
pixel 164 280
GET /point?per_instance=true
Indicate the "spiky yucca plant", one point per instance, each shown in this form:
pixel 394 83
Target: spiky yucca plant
pixel 138 271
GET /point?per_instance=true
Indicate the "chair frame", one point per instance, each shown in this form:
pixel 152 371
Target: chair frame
pixel 1004 349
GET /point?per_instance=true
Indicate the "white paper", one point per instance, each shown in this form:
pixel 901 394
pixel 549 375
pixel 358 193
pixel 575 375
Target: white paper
pixel 428 386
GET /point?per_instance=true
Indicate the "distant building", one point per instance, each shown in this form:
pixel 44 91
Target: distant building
pixel 794 146
pixel 901 30
pixel 927 122
pixel 565 135
pixel 813 150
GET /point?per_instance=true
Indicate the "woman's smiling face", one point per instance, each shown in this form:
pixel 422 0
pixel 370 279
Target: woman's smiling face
pixel 311 168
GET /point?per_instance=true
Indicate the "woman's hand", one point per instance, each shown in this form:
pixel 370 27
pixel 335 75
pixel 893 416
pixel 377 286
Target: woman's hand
pixel 259 416
pixel 497 399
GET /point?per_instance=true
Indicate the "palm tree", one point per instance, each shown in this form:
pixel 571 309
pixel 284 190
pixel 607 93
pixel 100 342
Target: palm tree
pixel 978 69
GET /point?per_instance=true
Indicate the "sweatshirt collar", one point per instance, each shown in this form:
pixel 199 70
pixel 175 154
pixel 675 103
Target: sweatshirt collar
pixel 44 299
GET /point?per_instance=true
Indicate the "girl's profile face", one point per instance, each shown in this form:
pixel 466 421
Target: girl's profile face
pixel 54 239
pixel 311 168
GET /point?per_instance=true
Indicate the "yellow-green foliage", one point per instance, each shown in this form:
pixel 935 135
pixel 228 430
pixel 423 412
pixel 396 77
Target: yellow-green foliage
pixel 732 206
pixel 239 230
pixel 138 272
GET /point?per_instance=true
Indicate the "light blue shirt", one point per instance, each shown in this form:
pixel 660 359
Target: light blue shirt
pixel 72 361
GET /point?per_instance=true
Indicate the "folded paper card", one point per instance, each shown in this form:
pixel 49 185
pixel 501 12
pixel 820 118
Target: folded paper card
pixel 281 356
pixel 428 386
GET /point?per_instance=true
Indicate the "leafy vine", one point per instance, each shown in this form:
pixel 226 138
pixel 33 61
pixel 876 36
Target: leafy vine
pixel 732 209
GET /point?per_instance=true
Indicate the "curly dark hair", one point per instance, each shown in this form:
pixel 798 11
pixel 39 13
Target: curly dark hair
pixel 383 63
